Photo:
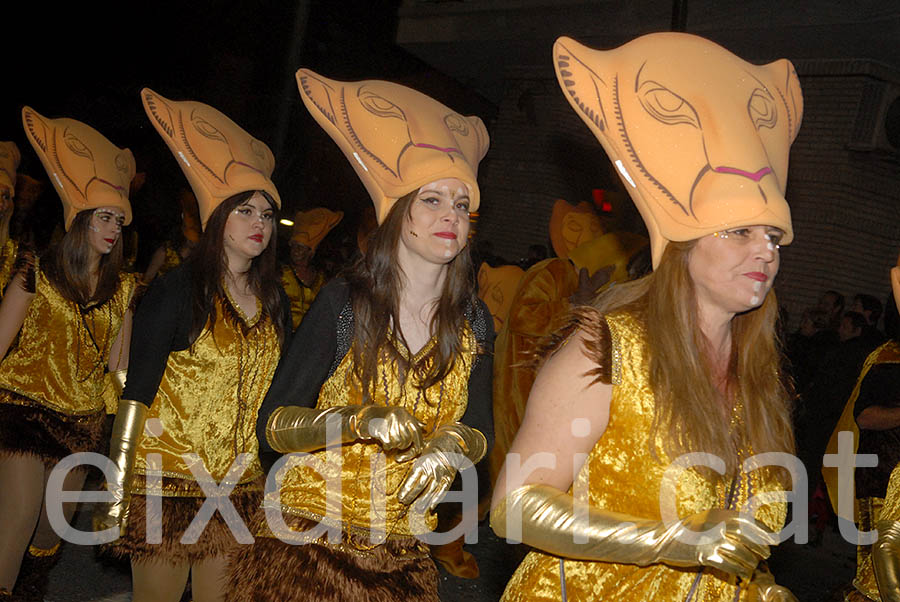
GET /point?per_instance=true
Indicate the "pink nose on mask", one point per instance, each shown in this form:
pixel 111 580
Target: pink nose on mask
pixel 756 177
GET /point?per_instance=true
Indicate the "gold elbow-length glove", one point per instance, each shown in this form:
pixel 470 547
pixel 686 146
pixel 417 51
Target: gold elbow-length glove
pixel 298 429
pixel 886 558
pixel 764 589
pixel 435 468
pixel 549 522
pixel 126 433
pixel 119 377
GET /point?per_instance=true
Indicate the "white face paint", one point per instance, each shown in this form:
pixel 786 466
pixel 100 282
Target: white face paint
pixel 754 300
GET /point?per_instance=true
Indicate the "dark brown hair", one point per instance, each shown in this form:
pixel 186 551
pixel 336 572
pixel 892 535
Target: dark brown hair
pixel 208 266
pixel 66 265
pixel 375 287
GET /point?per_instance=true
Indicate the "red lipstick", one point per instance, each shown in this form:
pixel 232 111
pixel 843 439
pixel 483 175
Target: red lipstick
pixel 110 240
pixel 257 237
pixel 447 235
pixel 758 276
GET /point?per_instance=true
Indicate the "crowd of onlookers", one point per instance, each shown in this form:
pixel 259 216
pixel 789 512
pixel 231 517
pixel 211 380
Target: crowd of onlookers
pixel 825 357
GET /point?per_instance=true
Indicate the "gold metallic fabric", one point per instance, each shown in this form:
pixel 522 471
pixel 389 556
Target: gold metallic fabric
pixel 299 429
pixel 209 397
pixel 7 261
pixel 363 469
pixel 126 432
pixel 300 295
pixel 621 475
pixel 434 470
pixel 878 566
pixel 886 558
pixel 63 350
pixel 764 589
pixel 552 521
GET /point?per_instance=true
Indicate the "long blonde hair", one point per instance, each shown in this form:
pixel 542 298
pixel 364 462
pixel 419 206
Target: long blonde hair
pixel 687 414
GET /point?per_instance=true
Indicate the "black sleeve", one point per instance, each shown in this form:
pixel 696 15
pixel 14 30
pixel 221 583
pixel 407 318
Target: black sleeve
pixel 286 320
pixel 305 364
pixel 161 325
pixel 880 387
pixel 480 410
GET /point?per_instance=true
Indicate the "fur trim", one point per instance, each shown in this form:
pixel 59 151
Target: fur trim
pixel 216 539
pixel 31 429
pixel 399 570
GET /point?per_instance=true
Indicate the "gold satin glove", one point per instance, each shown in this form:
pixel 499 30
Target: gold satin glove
pixel 764 589
pixel 886 558
pixel 434 470
pixel 126 432
pixel 297 429
pixel 549 522
pixel 118 379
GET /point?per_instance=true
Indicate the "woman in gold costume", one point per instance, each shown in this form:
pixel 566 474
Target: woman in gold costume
pixel 684 360
pixel 207 338
pixel 387 371
pixel 71 312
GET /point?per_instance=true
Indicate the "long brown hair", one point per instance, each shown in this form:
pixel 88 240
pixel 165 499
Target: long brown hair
pixel 208 266
pixel 67 265
pixel 687 416
pixel 376 282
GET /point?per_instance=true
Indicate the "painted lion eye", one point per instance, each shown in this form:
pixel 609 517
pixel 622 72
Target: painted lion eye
pixel 379 105
pixel 761 108
pixel 456 124
pixel 207 129
pixel 666 106
pixel 77 146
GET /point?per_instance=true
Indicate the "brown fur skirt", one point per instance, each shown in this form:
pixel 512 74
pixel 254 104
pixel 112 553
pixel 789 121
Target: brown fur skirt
pixel 400 570
pixel 216 539
pixel 28 428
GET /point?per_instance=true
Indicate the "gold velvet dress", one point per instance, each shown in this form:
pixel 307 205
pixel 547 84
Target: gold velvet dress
pixel 7 261
pixel 54 385
pixel 301 296
pixel 201 426
pixel 621 475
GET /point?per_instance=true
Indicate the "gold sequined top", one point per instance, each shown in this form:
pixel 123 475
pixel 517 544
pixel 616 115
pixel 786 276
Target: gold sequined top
pixel 620 474
pixel 206 405
pixel 301 296
pixel 362 469
pixel 63 350
pixel 7 261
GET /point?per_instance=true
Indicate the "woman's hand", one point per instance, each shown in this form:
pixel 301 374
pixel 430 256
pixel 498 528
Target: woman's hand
pixel 443 456
pixel 393 427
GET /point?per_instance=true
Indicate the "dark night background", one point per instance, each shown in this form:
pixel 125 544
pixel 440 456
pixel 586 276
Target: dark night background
pixel 90 61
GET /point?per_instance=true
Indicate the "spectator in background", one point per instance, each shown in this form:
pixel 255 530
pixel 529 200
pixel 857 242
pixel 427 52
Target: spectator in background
pixel 870 308
pixel 832 303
